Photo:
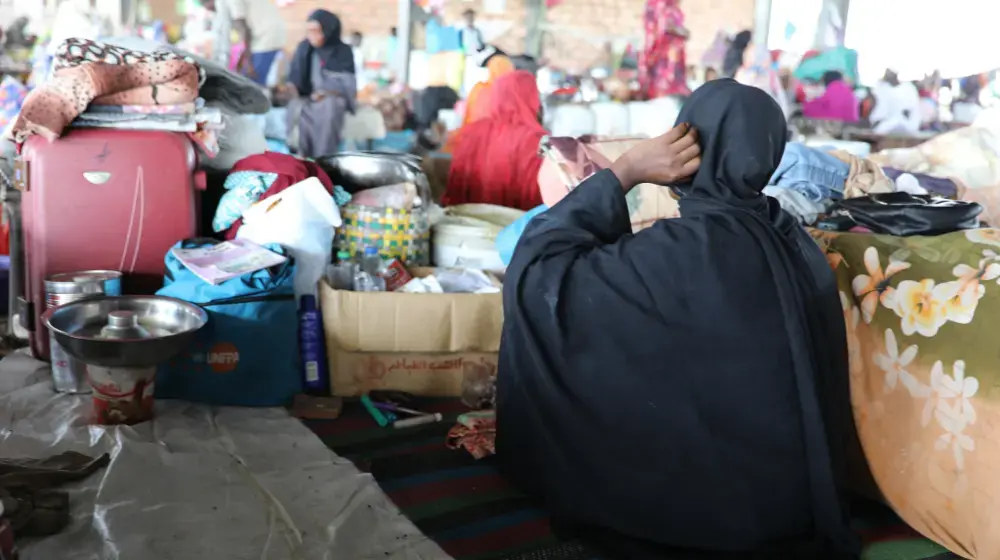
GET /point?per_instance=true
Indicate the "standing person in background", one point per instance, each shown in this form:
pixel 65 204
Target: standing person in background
pixel 470 37
pixel 471 40
pixel 359 58
pixel 260 28
pixel 733 60
pixel 662 63
pixel 391 48
pixel 393 42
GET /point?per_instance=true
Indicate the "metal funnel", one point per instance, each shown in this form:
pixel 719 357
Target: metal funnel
pixel 171 324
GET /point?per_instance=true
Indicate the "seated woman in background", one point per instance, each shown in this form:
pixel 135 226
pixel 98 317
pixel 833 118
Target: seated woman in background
pixel 837 103
pixel 322 73
pixel 496 158
pixel 478 102
pixel 687 385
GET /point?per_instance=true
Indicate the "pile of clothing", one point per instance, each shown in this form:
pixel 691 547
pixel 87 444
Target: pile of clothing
pixel 138 85
pixel 88 73
pixel 30 505
pixel 970 155
pixel 260 176
pixel 810 182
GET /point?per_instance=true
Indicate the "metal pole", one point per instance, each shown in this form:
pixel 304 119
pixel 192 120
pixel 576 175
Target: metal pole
pixel 535 25
pixel 832 24
pixel 403 27
pixel 761 21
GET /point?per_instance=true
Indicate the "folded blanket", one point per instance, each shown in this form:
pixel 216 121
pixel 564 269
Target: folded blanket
pixel 49 109
pixel 238 93
pixel 181 109
pixel 76 51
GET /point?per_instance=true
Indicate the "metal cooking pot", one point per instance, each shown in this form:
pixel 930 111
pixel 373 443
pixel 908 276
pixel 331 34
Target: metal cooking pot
pixel 358 171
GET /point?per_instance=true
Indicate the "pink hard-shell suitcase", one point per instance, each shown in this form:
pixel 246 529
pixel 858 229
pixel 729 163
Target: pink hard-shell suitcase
pixel 101 199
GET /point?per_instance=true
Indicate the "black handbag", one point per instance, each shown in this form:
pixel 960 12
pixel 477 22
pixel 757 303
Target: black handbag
pixel 903 214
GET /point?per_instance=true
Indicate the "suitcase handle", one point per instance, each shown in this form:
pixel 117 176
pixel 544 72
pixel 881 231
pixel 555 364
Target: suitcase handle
pixel 200 180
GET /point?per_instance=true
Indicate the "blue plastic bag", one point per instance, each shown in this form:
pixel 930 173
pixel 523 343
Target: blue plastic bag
pixel 247 354
pixel 509 236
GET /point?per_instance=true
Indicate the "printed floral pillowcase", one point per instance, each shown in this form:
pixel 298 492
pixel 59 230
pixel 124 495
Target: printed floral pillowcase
pixel 925 375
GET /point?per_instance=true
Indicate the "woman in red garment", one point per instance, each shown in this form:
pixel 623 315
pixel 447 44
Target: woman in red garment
pixel 496 158
pixel 662 65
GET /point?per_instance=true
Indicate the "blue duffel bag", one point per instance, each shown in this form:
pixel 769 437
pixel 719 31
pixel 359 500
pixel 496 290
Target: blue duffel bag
pixel 247 354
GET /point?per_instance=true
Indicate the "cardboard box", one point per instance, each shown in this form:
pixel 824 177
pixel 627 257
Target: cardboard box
pixel 424 344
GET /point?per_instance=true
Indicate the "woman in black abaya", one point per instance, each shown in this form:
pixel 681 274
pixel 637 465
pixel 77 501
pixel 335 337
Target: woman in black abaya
pixel 685 386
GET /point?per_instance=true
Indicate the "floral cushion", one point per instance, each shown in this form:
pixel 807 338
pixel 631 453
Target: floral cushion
pixel 925 376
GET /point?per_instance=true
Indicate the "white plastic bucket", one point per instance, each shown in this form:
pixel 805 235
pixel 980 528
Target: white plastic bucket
pixel 467 236
pixel 464 246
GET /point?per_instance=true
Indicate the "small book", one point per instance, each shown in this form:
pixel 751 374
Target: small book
pixel 227 260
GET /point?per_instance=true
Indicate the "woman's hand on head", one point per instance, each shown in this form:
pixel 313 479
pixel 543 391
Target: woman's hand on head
pixel 663 160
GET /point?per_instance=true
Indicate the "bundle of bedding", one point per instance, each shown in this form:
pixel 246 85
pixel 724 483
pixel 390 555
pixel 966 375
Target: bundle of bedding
pixel 88 73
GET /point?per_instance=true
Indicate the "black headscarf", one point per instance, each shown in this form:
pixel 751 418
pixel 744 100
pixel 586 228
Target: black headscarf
pixel 685 386
pixel 334 55
pixel 734 54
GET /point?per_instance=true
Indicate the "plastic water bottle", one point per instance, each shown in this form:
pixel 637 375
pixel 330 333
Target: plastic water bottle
pixel 341 275
pixel 363 282
pixel 374 266
pixel 367 278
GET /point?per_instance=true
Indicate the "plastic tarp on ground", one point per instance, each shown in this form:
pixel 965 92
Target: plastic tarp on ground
pixel 201 482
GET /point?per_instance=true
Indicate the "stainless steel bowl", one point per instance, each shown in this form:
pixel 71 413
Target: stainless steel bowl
pixel 357 171
pixel 171 324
